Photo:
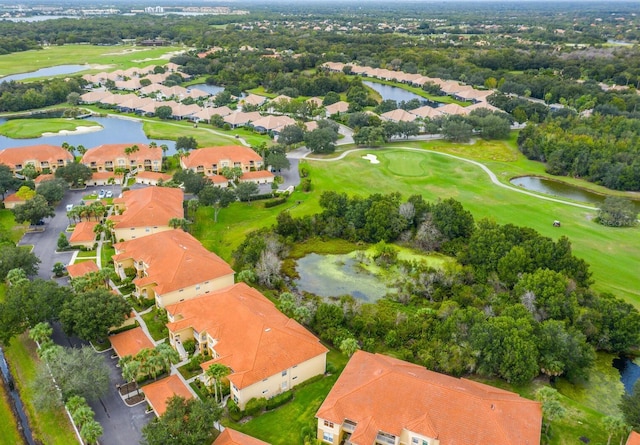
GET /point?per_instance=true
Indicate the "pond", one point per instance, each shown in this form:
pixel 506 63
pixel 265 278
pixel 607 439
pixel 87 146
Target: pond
pixel 560 189
pixel 211 89
pixel 115 131
pixel 46 72
pixel 338 275
pixel 629 372
pixel 390 92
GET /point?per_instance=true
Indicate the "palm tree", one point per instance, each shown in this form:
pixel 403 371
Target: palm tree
pixel 167 355
pixel 75 402
pixel 192 207
pixel 91 432
pixel 81 149
pixel 82 415
pixel 131 371
pixel 216 372
pixel 40 332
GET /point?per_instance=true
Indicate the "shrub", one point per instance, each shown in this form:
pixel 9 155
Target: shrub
pixel 130 272
pixel 189 345
pixel 274 202
pixel 234 412
pixel 194 363
pixel 279 400
pixel 254 406
pixel 306 185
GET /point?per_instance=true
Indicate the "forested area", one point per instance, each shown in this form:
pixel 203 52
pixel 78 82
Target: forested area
pixel 602 148
pixel 514 305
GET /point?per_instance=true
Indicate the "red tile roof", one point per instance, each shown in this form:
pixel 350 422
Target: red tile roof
pixel 80 269
pixel 233 437
pixel 174 260
pixel 158 393
pixel 19 155
pixel 150 206
pixel 130 342
pixel 257 174
pixel 634 438
pixel 153 176
pixel 83 232
pixel 43 178
pixel 14 198
pixel 209 156
pixel 255 339
pixel 110 152
pixel 381 393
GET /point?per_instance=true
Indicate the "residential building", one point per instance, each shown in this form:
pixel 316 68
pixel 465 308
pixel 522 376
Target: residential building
pixel 105 178
pixel 240 118
pixel 337 108
pixel 83 234
pixel 171 266
pixel 233 437
pixel 130 342
pixel 634 439
pixel 152 178
pixel 383 400
pixel 13 200
pixel 266 352
pixel 45 158
pixel 273 124
pixel 258 176
pixel 146 211
pixel 108 157
pixel 211 160
pixel 398 115
pixel 158 393
pixel 81 269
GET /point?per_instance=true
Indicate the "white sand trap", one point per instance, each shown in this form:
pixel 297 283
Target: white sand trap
pixel 78 130
pixel 371 158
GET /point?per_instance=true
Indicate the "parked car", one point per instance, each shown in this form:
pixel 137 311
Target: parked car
pixel 109 194
pixel 102 194
pixel 69 207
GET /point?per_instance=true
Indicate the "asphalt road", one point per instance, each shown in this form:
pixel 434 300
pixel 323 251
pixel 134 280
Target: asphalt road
pixel 122 424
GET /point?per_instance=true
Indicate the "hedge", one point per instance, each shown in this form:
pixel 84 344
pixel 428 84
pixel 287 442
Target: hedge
pixel 274 202
pixel 279 400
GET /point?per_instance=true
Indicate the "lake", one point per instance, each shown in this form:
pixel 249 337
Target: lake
pixel 46 72
pixel 390 92
pixel 338 275
pixel 211 89
pixel 115 131
pixel 629 372
pixel 561 189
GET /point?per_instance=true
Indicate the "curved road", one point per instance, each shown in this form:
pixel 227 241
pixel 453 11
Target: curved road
pixel 492 175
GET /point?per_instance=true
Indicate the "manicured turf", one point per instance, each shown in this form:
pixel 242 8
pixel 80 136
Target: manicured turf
pixel 33 128
pixel 8 224
pixel 205 134
pixel 9 434
pixel 156 324
pixel 117 57
pixel 49 426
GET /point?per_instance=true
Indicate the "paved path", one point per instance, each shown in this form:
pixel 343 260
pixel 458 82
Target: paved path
pixel 492 176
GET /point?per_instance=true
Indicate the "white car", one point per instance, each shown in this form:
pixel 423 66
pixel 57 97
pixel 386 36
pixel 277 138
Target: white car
pixel 109 194
pixel 102 194
pixel 69 207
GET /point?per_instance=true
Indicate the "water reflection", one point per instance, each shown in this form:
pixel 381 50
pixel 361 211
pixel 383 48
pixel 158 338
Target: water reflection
pixel 115 131
pixel 629 372
pixel 390 92
pixel 46 72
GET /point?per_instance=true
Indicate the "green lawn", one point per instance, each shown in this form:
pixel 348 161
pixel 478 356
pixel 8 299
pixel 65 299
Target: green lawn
pixel 86 254
pixel 205 134
pixel 283 425
pixel 8 225
pixel 116 57
pixel 106 252
pixel 9 434
pixel 156 324
pixel 49 426
pixel 33 128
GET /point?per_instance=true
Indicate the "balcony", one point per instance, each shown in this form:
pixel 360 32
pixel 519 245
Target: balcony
pixel 385 439
pixel 348 426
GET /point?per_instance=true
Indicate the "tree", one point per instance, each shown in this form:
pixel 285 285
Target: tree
pixel 40 332
pixel 7 180
pixel 552 409
pixel 58 269
pixel 615 425
pixel 75 173
pixel 15 276
pixel 25 193
pixel 164 112
pixel 91 432
pixel 456 130
pixel 245 190
pixel 192 181
pixel 321 140
pixel 63 242
pixel 91 314
pixel 291 134
pixel 185 422
pixel 630 406
pixel 53 190
pixel 12 257
pixel 231 173
pixel 79 372
pixel 616 211
pixel 29 171
pixel 131 150
pixel 33 210
pixel 73 98
pixel 277 161
pixel 186 143
pixel 181 223
pixel 216 372
pixel 349 346
pixel 216 197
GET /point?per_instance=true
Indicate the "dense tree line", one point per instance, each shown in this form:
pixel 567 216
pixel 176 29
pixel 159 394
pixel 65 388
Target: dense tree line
pixel 515 304
pixel 602 148
pixel 17 96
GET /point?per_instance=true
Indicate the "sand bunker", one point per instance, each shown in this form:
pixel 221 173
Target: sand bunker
pixel 78 130
pixel 372 158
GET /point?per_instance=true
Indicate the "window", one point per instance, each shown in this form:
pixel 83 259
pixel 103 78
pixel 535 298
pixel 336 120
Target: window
pixel 284 373
pixel 197 287
pixel 293 378
pixel 265 391
pixel 329 424
pixel 327 437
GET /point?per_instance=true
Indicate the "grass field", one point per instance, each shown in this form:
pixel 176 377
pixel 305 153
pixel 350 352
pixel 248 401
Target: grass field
pixel 9 434
pixel 8 225
pixel 116 57
pixel 34 128
pixel 49 426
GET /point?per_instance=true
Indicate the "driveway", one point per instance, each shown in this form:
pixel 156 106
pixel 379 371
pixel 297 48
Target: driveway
pixel 122 424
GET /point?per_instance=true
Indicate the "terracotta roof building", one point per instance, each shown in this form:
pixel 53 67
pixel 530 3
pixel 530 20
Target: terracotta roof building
pixel 152 178
pixel 233 437
pixel 172 266
pixel 634 438
pixel 211 160
pixel 45 158
pixel 81 269
pixel 146 211
pixel 130 342
pixel 83 234
pixel 267 352
pixel 379 399
pixel 108 157
pixel 158 393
